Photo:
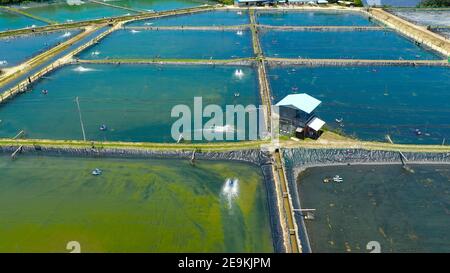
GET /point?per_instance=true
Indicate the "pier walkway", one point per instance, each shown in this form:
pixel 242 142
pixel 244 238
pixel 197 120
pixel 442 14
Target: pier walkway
pixel 213 28
pixel 418 33
pixel 323 28
pixel 355 62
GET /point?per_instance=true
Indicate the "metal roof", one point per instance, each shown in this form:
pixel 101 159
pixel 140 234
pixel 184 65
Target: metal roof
pixel 316 124
pixel 303 102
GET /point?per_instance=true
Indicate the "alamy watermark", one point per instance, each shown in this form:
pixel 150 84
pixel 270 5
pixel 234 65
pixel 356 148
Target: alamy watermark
pixel 215 123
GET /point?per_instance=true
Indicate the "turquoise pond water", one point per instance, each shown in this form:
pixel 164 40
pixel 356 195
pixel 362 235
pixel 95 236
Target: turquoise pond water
pixel 62 12
pixel 382 100
pixel 312 18
pixel 156 5
pixel 215 18
pixel 13 21
pixel 172 44
pixel 134 101
pixel 403 211
pixel 341 45
pixel 17 49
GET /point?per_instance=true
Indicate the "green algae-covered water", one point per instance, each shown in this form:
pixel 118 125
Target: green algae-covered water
pixel 393 100
pixel 173 44
pixel 403 211
pixel 214 18
pixel 313 18
pixel 15 50
pixel 10 21
pixel 342 45
pixel 133 101
pixel 134 206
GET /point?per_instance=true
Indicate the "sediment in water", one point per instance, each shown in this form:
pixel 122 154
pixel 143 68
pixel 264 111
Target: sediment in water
pixel 297 160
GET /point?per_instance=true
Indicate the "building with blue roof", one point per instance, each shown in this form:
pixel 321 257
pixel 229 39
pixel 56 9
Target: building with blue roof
pixel 297 114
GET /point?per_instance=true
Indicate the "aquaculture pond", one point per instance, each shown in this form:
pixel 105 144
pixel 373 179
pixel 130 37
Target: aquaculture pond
pixel 401 210
pixel 156 5
pixel 173 44
pixel 313 18
pixel 144 205
pixel 342 45
pixel 10 21
pixel 409 103
pixel 425 17
pixel 23 47
pixel 214 18
pixel 62 12
pixel 134 102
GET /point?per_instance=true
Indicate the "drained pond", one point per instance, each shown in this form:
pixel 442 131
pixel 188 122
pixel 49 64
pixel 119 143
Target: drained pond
pixel 133 206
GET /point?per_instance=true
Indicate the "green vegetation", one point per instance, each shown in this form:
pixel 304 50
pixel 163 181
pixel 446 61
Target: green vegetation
pixel 434 4
pixel 358 3
pixel 226 2
pixel 4 2
pixel 136 205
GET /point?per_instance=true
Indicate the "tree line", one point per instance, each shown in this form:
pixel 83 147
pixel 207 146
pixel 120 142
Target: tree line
pixel 434 4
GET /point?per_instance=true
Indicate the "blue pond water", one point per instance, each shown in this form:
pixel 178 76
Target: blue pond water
pixel 312 18
pixel 15 50
pixel 61 11
pixel 215 18
pixel 156 5
pixel 10 21
pixel 133 101
pixel 375 101
pixel 173 44
pixel 341 45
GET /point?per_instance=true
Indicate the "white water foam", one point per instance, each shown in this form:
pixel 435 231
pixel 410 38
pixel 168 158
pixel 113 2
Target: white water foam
pixel 230 190
pixel 3 63
pixel 83 69
pixel 238 73
pixel 74 2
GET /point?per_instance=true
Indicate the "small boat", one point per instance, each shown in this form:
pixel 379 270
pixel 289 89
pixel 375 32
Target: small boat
pixel 96 172
pixel 339 120
pixel 338 179
pixel 103 127
pixel 239 32
pixel 237 94
pixel 418 132
pixel 327 180
pixel 294 88
pixel 44 92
